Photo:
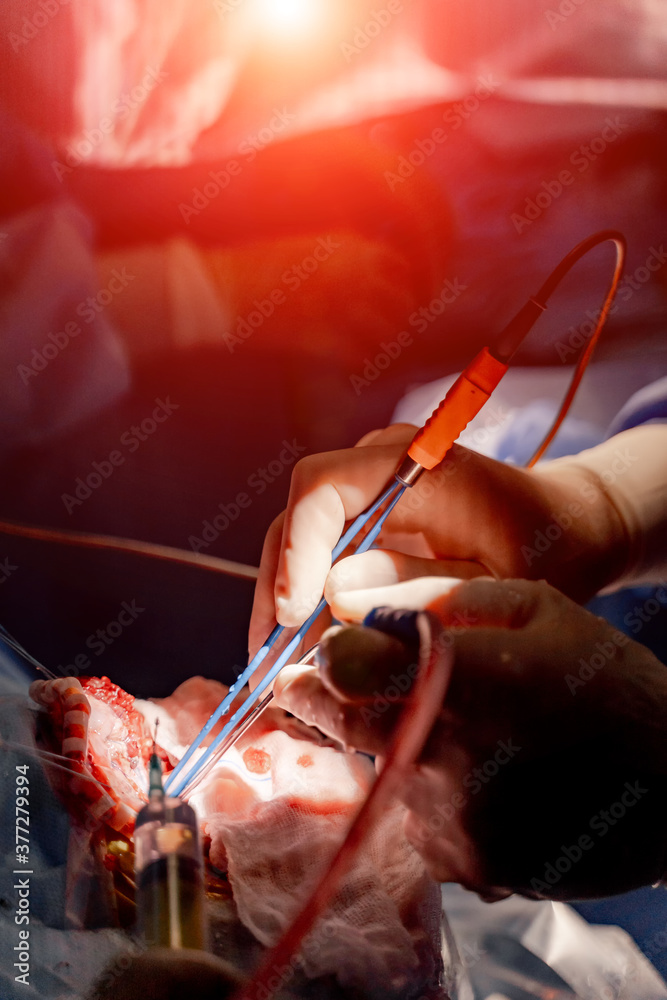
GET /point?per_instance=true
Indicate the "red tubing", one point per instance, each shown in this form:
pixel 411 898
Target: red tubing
pixel 416 721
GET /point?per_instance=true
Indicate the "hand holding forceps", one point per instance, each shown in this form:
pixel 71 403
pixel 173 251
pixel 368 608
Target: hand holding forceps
pixel 463 401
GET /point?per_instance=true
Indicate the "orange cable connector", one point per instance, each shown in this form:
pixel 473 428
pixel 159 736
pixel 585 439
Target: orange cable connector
pixel 464 400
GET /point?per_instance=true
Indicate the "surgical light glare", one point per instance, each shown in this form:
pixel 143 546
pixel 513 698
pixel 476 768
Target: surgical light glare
pixel 290 18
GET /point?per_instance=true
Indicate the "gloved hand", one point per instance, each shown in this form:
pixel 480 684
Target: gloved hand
pixel 546 772
pixel 559 521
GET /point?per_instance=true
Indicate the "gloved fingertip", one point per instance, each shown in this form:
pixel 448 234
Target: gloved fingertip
pixel 355 660
pixel 321 657
pixel 291 613
pixel 321 654
pixel 286 683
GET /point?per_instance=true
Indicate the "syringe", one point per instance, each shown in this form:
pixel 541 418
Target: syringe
pixel 168 864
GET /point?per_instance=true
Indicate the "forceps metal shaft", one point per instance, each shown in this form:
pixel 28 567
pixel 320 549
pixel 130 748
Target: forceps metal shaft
pixel 178 783
pixel 242 728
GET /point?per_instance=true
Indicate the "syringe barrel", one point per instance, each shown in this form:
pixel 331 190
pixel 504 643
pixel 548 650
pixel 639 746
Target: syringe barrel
pixel 169 876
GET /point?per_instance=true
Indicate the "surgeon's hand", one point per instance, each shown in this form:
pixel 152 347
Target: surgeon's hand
pixel 546 772
pixel 472 514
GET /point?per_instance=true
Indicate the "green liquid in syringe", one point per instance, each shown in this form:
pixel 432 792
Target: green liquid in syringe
pixel 170 903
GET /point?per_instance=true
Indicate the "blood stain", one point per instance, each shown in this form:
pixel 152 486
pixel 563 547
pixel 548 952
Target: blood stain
pixel 257 761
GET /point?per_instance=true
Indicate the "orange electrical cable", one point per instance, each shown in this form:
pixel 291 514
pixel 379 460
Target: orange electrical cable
pixel 474 385
pixel 619 240
pixel 62 536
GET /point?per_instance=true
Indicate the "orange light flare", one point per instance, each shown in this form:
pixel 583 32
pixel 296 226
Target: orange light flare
pixel 293 20
pixel 289 47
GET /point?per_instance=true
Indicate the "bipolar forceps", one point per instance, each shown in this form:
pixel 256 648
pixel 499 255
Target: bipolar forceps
pixel 428 447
